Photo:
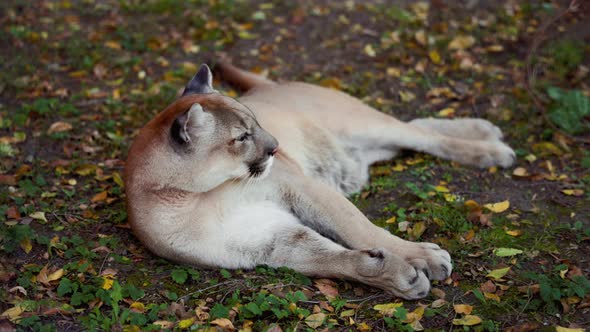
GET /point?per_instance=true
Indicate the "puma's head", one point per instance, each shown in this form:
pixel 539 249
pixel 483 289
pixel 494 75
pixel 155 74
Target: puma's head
pixel 200 141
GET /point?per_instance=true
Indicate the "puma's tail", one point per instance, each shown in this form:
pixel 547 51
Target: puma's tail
pixel 238 78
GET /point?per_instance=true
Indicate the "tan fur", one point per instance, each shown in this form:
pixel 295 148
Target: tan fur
pixel 295 214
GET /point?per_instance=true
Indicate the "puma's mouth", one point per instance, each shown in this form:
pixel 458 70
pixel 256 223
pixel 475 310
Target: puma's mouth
pixel 260 169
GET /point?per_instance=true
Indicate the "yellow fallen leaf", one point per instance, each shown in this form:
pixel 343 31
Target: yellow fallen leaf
pixel 364 327
pixel 415 315
pixel 398 167
pixel 516 232
pixel 421 37
pixel 417 326
pixel 85 169
pixel 101 196
pixel 186 323
pixel 492 296
pixel 391 220
pixel 315 320
pixel 573 192
pixel 446 112
pixel 498 207
pixel 58 127
pixel 434 57
pixel 495 48
pixel 449 197
pixel 546 148
pixel 563 272
pixel 463 308
pixel 107 282
pixel 56 275
pixel 26 245
pixel 118 179
pixel 566 329
pixel 418 229
pixel 406 96
pixel 38 216
pixel 461 42
pixel 394 72
pixel 369 50
pixel 138 306
pixel 414 161
pixel 441 189
pixel 507 252
pixel 113 45
pixel 530 158
pixel 468 320
pixel 520 172
pixel 471 205
pixel 13 314
pixel 498 273
pixel 438 303
pixel 347 313
pixel 387 309
pixel 331 82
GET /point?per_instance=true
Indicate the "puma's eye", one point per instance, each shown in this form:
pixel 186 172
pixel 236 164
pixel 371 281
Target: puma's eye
pixel 243 137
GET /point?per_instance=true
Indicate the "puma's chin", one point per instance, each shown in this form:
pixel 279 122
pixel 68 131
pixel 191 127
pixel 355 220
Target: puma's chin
pixel 260 170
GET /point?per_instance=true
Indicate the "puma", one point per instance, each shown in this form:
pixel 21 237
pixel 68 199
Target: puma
pixel 219 182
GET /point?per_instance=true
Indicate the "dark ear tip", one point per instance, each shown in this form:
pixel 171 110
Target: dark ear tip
pixel 204 68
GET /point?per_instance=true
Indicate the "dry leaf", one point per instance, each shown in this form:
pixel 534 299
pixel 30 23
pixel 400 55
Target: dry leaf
pixel 38 216
pixel 498 207
pixel 223 323
pixel 13 314
pixel 369 50
pixel 507 252
pixel 573 192
pixel 468 320
pixel 315 320
pixel 26 245
pixel 463 308
pixel 58 127
pixel 461 43
pixel 406 96
pixel 101 196
pixel 520 172
pixel 326 287
pixel 387 309
pixel 492 296
pixel 186 323
pixel 566 329
pixel 516 232
pixel 498 273
pixel 55 275
pixel 434 57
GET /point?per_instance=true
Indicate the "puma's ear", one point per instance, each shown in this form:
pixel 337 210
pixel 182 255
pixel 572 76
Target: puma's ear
pixel 190 122
pixel 202 82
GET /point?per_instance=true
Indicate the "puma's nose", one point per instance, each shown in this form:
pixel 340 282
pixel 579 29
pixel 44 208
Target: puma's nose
pixel 272 152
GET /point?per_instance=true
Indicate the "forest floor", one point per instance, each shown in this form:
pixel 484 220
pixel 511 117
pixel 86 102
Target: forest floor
pixel 79 78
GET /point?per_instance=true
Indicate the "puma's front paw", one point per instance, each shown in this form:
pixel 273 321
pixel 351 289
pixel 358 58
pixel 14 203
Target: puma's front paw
pixel 429 258
pixel 380 268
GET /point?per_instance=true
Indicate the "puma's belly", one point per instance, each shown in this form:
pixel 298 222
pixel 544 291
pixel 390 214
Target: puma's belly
pixel 329 161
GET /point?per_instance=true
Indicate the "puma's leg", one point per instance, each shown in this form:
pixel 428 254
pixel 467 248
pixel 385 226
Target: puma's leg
pixel 378 132
pixel 266 234
pixel 321 208
pixel 467 128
